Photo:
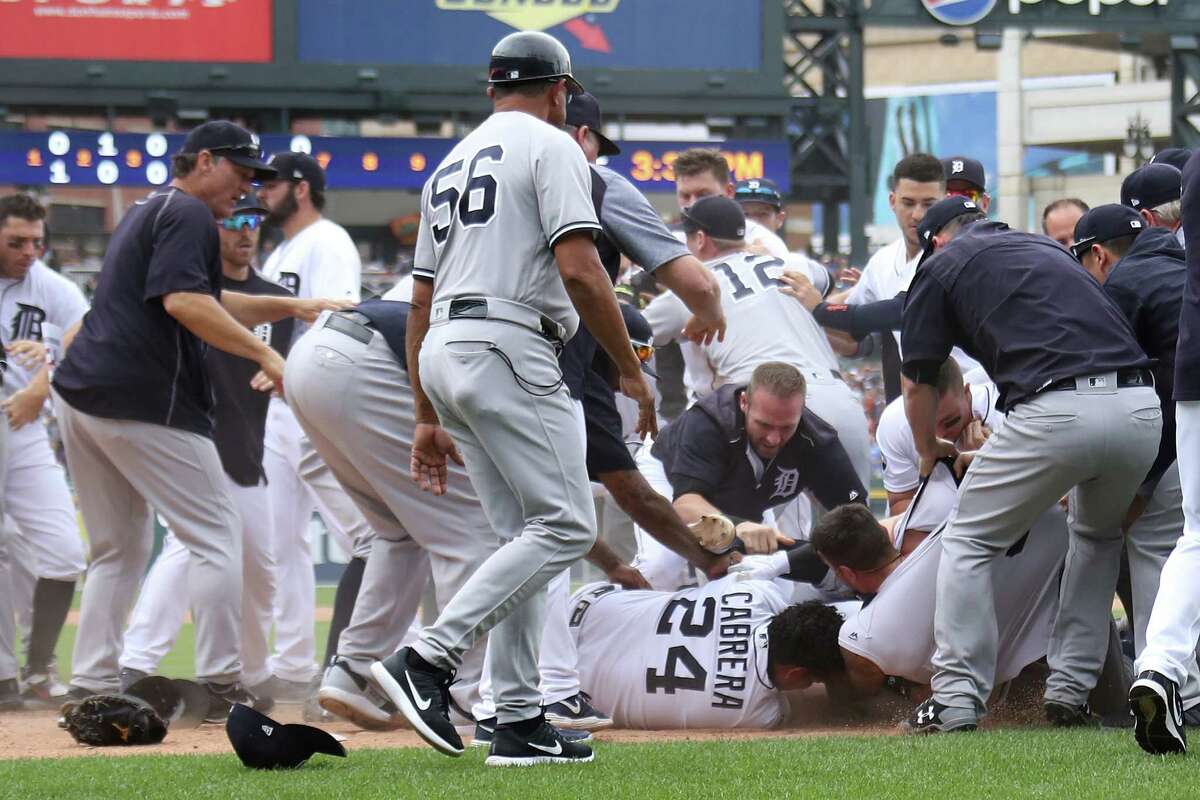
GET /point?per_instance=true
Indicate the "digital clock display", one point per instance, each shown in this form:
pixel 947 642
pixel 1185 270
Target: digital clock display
pixel 101 158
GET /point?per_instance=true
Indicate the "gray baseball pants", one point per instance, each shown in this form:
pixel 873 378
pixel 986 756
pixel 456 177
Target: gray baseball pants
pixel 493 385
pixel 122 470
pixel 1098 444
pixel 8 617
pixel 355 403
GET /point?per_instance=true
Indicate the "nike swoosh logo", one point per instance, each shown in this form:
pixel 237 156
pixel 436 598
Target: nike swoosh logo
pixel 575 707
pixel 422 703
pixel 553 751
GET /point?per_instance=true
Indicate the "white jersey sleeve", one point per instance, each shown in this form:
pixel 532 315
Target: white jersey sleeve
pixel 564 188
pixel 897 449
pixel 762 241
pixel 690 659
pixel 336 268
pixel 424 257
pixel 667 316
pixel 38 308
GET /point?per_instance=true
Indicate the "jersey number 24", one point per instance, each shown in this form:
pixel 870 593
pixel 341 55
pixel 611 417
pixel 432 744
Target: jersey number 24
pixel 669 680
pixel 481 187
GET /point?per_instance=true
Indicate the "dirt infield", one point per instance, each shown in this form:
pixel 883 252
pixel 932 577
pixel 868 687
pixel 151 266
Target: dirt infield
pixel 35 734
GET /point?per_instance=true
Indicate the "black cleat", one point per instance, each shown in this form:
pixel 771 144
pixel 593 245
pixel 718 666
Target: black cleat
pixel 223 696
pixel 576 713
pixel 1158 714
pixel 422 695
pixel 10 696
pixel 546 745
pixel 933 717
pixel 128 676
pixel 1062 715
pixel 485 731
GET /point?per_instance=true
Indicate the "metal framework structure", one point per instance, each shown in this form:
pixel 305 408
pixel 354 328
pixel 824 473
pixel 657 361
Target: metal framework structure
pixel 823 71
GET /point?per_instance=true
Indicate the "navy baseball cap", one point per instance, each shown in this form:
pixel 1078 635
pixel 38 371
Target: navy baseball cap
pixel 641 335
pixel 939 215
pixel 262 743
pixel 295 167
pixel 1151 186
pixel 249 204
pixel 717 216
pixel 229 140
pixel 584 109
pixel 1104 223
pixel 967 170
pixel 758 190
pixel 1175 156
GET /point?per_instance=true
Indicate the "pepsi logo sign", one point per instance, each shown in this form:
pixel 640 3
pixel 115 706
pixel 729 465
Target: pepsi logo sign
pixel 959 12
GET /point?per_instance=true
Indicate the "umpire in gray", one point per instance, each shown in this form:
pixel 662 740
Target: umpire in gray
pixel 1082 417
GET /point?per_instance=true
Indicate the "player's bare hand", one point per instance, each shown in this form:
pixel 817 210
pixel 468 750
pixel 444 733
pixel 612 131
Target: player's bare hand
pixel 432 447
pixel 704 332
pixel 309 310
pixel 848 277
pixel 973 435
pixel 272 371
pixel 636 388
pixel 628 577
pixel 798 286
pixel 759 539
pixel 28 354
pixel 23 407
pixel 261 383
pixel 942 449
pixel 963 463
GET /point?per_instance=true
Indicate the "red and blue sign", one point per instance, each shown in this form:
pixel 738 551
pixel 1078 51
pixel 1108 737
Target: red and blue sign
pixel 959 12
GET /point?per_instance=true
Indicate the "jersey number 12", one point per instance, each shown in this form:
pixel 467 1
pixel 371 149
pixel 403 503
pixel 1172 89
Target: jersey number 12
pixel 481 187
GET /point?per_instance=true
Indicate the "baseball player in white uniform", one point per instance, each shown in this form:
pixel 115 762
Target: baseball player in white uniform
pixel 37 307
pixel 316 259
pixel 717 656
pixel 505 267
pixel 967 414
pixel 892 636
pixel 763 325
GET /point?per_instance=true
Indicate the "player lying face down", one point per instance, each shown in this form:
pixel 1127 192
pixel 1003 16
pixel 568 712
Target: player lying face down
pixel 892 635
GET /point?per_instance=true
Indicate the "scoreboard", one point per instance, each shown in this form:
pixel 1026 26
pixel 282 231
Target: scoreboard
pixel 103 158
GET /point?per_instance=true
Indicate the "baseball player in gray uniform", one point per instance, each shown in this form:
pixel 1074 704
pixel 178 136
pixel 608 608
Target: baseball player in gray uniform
pixel 505 258
pixel 37 306
pixel 317 258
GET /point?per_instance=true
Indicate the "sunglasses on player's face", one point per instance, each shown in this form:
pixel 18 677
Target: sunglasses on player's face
pixel 242 222
pixel 974 195
pixel 644 351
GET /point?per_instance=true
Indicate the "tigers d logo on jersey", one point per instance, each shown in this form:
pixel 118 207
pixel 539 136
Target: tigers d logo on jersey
pixel 27 323
pixel 532 16
pixel 263 332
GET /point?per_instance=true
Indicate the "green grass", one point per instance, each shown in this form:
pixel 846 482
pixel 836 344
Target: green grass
pixel 1002 764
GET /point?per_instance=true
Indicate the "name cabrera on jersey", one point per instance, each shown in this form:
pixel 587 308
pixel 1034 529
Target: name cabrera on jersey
pixel 38 308
pixel 690 659
pixel 894 630
pixel 494 209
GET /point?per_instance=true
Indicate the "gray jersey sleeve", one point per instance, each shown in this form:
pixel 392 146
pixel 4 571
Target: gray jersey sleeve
pixel 634 226
pixel 424 259
pixel 564 187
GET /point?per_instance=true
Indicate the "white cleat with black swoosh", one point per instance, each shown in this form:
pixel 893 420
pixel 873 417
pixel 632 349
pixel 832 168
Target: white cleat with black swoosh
pixel 545 745
pixel 421 692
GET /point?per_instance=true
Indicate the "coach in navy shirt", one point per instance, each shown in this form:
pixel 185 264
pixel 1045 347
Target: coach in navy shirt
pixel 1082 417
pixel 135 406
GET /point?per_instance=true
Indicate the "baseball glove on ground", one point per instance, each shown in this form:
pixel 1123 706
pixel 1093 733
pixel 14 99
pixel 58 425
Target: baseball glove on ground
pixel 714 532
pixel 113 719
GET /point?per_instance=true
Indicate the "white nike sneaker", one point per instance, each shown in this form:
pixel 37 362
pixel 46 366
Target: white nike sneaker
pixel 346 694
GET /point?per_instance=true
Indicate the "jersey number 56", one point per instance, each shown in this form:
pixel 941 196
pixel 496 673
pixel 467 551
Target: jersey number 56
pixel 479 191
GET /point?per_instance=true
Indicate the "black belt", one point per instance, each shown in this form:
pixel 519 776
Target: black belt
pixel 354 324
pixel 1126 378
pixel 477 308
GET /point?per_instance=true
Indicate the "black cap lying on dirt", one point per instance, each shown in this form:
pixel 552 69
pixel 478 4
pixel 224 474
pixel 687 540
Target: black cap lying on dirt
pixel 262 743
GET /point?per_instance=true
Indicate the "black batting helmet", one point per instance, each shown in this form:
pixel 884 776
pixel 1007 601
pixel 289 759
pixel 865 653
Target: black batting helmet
pixel 530 56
